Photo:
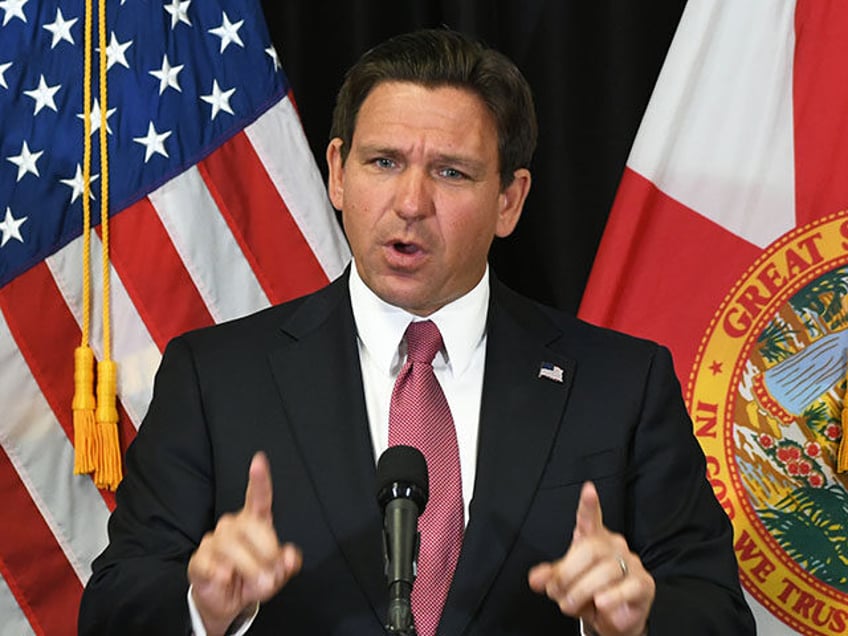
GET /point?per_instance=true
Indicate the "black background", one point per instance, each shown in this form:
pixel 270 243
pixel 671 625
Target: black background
pixel 591 64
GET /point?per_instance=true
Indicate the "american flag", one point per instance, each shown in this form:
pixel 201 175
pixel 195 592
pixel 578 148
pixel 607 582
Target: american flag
pixel 217 210
pixel 551 371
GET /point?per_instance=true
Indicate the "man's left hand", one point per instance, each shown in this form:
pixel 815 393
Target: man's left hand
pixel 599 580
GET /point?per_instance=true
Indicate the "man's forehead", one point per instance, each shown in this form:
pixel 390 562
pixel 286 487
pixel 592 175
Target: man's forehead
pixel 399 107
pixel 440 124
pixel 389 88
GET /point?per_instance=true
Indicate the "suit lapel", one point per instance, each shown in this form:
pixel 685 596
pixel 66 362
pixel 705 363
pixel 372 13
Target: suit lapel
pixel 520 417
pixel 319 378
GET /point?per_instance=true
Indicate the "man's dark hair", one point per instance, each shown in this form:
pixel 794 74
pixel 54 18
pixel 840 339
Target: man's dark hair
pixel 439 57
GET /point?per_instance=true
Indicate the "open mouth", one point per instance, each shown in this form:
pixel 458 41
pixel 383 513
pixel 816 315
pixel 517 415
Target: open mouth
pixel 405 248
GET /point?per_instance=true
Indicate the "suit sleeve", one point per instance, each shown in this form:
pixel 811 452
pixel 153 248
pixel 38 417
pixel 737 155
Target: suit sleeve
pixel 682 535
pixel 164 507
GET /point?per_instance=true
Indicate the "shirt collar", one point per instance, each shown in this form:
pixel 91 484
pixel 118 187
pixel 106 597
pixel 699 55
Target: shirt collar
pixel 380 326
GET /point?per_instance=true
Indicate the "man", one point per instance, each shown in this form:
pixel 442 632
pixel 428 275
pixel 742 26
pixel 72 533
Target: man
pixel 584 504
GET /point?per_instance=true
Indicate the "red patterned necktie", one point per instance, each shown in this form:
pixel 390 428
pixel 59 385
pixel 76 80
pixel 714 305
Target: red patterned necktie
pixel 419 416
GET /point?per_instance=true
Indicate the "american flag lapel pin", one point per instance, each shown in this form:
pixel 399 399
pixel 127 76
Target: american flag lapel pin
pixel 550 371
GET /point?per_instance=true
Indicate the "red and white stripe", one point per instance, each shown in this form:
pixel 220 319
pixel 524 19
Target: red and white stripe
pixel 247 227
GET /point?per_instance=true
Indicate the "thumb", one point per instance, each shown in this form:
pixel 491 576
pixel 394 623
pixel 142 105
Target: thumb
pixel 589 516
pixel 259 494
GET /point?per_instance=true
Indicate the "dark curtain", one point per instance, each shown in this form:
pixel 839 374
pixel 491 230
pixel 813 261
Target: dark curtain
pixel 592 65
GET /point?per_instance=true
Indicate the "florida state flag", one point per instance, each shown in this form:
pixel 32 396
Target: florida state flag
pixel 728 242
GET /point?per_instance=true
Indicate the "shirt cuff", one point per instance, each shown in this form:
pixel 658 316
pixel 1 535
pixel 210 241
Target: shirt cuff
pixel 238 627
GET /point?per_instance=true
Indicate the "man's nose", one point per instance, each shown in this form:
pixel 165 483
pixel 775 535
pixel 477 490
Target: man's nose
pixel 413 197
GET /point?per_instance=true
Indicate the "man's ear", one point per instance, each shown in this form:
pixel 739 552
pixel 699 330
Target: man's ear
pixel 335 168
pixel 512 202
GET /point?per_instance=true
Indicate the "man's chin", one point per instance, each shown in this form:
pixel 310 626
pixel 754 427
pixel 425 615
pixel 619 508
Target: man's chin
pixel 406 293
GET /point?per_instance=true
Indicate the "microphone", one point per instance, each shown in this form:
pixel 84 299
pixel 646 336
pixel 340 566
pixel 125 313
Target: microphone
pixel 402 491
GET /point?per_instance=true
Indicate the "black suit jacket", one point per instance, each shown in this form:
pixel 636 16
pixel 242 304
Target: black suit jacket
pixel 287 381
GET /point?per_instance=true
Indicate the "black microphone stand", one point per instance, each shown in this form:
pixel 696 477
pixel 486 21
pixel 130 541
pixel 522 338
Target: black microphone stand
pixel 399 618
pixel 402 491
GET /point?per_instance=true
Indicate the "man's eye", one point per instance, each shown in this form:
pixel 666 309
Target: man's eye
pixel 383 162
pixel 452 173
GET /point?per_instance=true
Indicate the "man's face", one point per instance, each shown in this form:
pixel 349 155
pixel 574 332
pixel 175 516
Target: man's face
pixel 420 193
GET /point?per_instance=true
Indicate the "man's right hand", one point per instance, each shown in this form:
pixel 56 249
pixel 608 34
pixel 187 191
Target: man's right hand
pixel 241 562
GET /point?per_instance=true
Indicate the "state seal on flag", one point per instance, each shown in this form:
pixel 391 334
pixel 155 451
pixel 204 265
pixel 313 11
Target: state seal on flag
pixel 767 397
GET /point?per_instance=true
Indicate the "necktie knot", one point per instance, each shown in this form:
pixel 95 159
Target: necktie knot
pixel 423 341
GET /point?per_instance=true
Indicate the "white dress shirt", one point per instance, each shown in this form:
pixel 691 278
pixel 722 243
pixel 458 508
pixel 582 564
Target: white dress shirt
pixel 459 367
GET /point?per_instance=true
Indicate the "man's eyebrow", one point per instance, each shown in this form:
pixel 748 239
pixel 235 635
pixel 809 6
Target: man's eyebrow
pixel 378 149
pixel 467 164
pixel 464 162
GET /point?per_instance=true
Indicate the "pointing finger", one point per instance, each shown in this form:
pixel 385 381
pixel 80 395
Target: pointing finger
pixel 589 516
pixel 259 495
pixel 539 575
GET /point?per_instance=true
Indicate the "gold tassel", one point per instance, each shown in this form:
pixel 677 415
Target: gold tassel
pixel 108 473
pixel 85 433
pixel 83 404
